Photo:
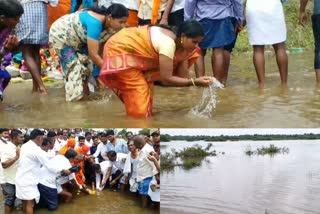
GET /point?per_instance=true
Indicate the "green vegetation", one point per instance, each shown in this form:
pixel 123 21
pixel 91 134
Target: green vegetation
pixel 196 151
pixel 298 36
pixel 190 163
pixel 145 132
pixel 168 161
pixel 256 137
pixel 188 158
pixel 270 150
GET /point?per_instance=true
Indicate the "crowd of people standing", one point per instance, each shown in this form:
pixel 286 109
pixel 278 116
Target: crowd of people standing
pixel 129 45
pixel 45 167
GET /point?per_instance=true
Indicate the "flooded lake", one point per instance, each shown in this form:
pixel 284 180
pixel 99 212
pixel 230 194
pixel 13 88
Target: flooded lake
pixel 241 104
pixel 104 202
pixel 235 183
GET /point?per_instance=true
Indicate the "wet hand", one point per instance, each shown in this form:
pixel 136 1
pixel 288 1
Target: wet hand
pixel 113 183
pixel 203 81
pixel 102 184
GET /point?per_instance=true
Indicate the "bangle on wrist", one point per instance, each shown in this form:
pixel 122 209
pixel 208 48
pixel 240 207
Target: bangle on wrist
pixel 193 82
pixel 196 83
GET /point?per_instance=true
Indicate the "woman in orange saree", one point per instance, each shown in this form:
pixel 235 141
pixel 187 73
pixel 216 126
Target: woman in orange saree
pixel 134 58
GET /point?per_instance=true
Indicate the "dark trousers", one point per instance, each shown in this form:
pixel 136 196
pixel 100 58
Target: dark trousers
pixel 316 34
pixel 176 18
pixel 48 197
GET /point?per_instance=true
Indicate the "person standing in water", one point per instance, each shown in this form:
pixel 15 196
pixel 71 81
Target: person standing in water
pixel 32 157
pixel 75 38
pixel 32 30
pixel 266 26
pixel 221 21
pixel 10 13
pixel 135 58
pixel 316 31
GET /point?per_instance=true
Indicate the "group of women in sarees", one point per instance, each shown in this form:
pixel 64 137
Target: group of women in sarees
pixel 133 58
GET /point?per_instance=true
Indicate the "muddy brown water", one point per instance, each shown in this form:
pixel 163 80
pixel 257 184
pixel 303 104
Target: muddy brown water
pixel 235 183
pixel 106 201
pixel 241 104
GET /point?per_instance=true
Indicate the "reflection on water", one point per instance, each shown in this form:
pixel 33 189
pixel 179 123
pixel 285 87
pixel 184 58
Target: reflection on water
pixel 104 202
pixel 241 104
pixel 235 183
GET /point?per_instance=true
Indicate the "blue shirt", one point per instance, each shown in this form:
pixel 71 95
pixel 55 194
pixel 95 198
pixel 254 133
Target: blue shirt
pixel 120 147
pixel 213 9
pixel 93 25
pixel 316 7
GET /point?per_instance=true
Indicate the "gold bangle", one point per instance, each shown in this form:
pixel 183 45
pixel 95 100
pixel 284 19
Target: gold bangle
pixel 192 82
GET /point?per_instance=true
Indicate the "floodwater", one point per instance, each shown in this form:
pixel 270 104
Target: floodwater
pixel 235 183
pixel 103 202
pixel 241 104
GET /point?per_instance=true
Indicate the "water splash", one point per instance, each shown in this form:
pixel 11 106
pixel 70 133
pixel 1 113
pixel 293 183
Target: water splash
pixel 208 101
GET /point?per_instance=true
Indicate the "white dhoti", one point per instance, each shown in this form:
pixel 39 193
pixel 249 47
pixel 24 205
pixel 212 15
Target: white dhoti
pixel 29 192
pixel 265 22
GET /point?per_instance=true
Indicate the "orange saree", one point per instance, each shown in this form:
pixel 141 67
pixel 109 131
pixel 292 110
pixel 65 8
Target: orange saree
pixel 79 175
pixel 54 13
pixel 131 65
pixel 133 19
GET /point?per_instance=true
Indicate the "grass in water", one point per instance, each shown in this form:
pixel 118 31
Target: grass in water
pixel 270 150
pixel 168 162
pixel 190 157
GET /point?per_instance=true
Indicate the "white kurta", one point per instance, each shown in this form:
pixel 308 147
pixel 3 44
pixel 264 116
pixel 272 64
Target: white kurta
pixel 265 22
pixel 155 196
pixel 49 178
pixel 104 165
pixel 32 157
pixel 145 167
pixel 8 152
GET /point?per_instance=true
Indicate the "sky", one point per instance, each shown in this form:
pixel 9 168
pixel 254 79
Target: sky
pixel 218 132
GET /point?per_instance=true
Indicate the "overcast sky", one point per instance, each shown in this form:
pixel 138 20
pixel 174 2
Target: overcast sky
pixel 218 132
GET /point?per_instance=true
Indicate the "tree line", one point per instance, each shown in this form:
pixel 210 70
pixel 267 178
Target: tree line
pixel 255 137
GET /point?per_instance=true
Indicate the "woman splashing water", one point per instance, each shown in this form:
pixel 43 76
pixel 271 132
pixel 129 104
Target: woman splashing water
pixel 135 58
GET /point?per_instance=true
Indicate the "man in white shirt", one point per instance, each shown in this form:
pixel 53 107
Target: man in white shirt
pixel 47 146
pixel 63 181
pixel 101 169
pixel 32 157
pixel 4 133
pixel 48 182
pixel 118 161
pixel 101 152
pixel 60 141
pixel 51 136
pixel 88 139
pixel 9 161
pixel 146 169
